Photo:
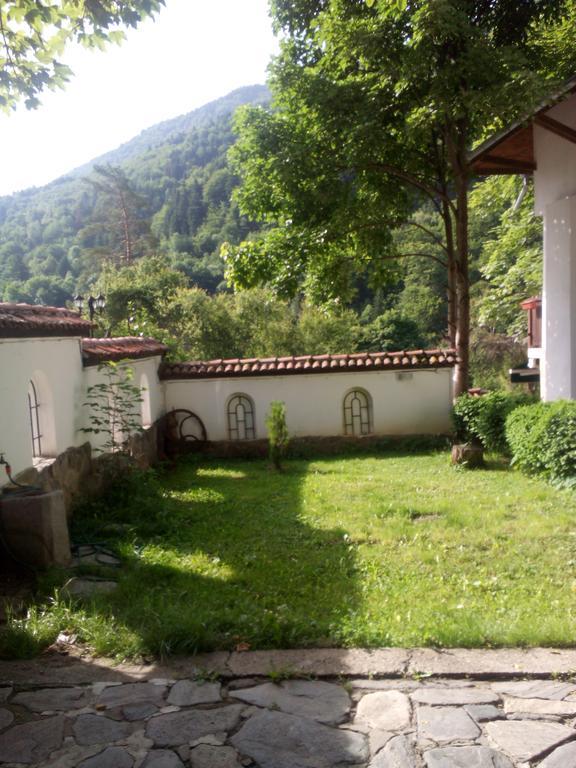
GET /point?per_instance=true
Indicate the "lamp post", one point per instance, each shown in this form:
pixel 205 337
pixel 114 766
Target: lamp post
pixel 94 304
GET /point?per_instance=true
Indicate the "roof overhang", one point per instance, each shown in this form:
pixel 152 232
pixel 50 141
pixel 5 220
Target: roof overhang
pixel 511 151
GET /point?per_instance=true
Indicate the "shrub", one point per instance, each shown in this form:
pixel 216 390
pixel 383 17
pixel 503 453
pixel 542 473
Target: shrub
pixel 484 418
pixel 277 433
pixel 542 438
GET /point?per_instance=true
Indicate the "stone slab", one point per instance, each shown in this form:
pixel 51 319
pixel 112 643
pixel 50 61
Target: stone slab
pixel 32 742
pixel 483 664
pixel 466 757
pixel 483 713
pixel 187 693
pixel 324 702
pixel 540 706
pixel 535 689
pixel 6 718
pixel 398 753
pixel 445 724
pixel 210 756
pixel 177 728
pixel 53 699
pixel 321 662
pixel 96 729
pixel 528 739
pixel 563 757
pixel 162 758
pixel 130 694
pixel 454 696
pixel 5 694
pixel 278 740
pixel 384 710
pixel 112 757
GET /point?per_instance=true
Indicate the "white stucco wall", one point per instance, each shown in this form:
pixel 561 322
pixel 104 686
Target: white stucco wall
pixel 55 365
pixel 555 177
pixel 417 405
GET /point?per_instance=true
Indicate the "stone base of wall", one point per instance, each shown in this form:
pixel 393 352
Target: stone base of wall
pixel 307 447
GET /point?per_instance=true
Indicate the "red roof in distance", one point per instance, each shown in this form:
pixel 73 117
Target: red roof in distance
pixel 37 321
pixel 96 351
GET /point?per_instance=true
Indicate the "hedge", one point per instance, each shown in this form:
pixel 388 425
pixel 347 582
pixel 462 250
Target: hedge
pixel 484 417
pixel 542 440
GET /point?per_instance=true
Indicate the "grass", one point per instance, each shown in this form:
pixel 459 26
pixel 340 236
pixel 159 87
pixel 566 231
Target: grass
pixel 378 550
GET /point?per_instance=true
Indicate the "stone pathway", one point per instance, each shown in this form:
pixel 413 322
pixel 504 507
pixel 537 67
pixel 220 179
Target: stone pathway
pixel 228 722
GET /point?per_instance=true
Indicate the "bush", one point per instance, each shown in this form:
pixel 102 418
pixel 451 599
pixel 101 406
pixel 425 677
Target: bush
pixel 277 433
pixel 542 439
pixel 484 417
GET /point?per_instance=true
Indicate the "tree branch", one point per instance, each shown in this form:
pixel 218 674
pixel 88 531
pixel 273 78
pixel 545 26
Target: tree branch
pixel 434 236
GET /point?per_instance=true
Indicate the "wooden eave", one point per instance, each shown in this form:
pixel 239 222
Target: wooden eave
pixel 511 151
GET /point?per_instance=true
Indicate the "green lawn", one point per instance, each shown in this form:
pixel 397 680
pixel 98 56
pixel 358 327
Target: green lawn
pixel 371 551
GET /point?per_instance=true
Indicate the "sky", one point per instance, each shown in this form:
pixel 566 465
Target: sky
pixel 193 52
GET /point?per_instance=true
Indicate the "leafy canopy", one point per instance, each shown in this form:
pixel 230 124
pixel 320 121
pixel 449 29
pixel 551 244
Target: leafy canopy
pixel 34 34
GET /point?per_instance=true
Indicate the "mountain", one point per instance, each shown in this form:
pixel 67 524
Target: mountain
pixel 53 239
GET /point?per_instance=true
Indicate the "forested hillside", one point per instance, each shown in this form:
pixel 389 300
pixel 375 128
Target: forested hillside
pixel 55 240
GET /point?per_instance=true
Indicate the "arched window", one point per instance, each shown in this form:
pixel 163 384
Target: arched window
pixel 357 413
pixel 240 412
pixel 34 408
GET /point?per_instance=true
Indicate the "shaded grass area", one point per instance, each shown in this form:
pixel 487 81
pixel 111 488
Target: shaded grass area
pixel 390 549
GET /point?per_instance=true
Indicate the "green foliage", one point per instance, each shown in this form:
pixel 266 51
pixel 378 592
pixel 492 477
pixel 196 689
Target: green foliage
pixel 484 417
pixel 392 331
pixel 542 438
pixel 278 437
pixel 36 32
pixel 114 407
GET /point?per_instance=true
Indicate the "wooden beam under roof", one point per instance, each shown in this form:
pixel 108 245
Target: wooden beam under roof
pixel 554 126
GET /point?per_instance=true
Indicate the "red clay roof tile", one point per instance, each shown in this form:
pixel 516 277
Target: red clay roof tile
pixel 95 351
pixel 308 364
pixel 35 320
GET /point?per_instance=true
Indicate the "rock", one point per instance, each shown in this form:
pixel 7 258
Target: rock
pixel 563 757
pixel 178 728
pixel 6 718
pixel 467 454
pixel 206 756
pixel 87 587
pixel 398 753
pixel 32 742
pixel 86 554
pixel 5 694
pixel 187 693
pixel 162 758
pixel 540 706
pixel 483 713
pixel 454 696
pixel 324 702
pixel 130 694
pixel 279 740
pixel 53 699
pixel 139 711
pixel 535 689
pixel 442 724
pixel 378 739
pixel 528 739
pixel 386 710
pixel 112 757
pixel 95 729
pixel 466 757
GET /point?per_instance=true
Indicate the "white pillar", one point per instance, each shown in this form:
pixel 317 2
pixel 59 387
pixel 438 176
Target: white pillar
pixel 558 374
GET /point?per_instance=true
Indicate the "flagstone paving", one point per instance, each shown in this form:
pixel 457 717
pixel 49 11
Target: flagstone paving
pixel 298 723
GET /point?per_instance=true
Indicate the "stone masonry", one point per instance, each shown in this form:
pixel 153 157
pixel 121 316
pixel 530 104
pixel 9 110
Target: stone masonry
pixel 256 722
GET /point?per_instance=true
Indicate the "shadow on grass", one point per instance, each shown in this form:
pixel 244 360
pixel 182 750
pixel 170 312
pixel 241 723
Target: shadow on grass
pixel 217 556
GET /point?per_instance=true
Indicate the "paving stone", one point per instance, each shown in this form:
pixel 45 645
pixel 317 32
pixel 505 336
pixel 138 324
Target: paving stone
pixel 378 739
pixel 563 757
pixel 139 711
pixel 483 713
pixel 162 758
pixel 279 740
pixel 527 739
pixel 454 696
pixel 535 689
pixel 32 742
pixel 321 662
pixel 540 706
pixel 398 753
pixel 443 724
pixel 5 694
pixel 466 757
pixel 53 699
pixel 207 756
pixel 386 710
pixel 95 729
pixel 112 757
pixel 87 587
pixel 132 693
pixel 182 727
pixel 324 702
pixel 6 718
pixel 495 662
pixel 187 693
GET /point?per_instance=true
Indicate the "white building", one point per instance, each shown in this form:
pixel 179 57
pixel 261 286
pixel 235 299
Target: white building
pixel 544 145
pixel 47 367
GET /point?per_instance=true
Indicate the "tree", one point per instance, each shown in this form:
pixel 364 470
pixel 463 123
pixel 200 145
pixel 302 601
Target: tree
pixel 376 105
pixel 34 34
